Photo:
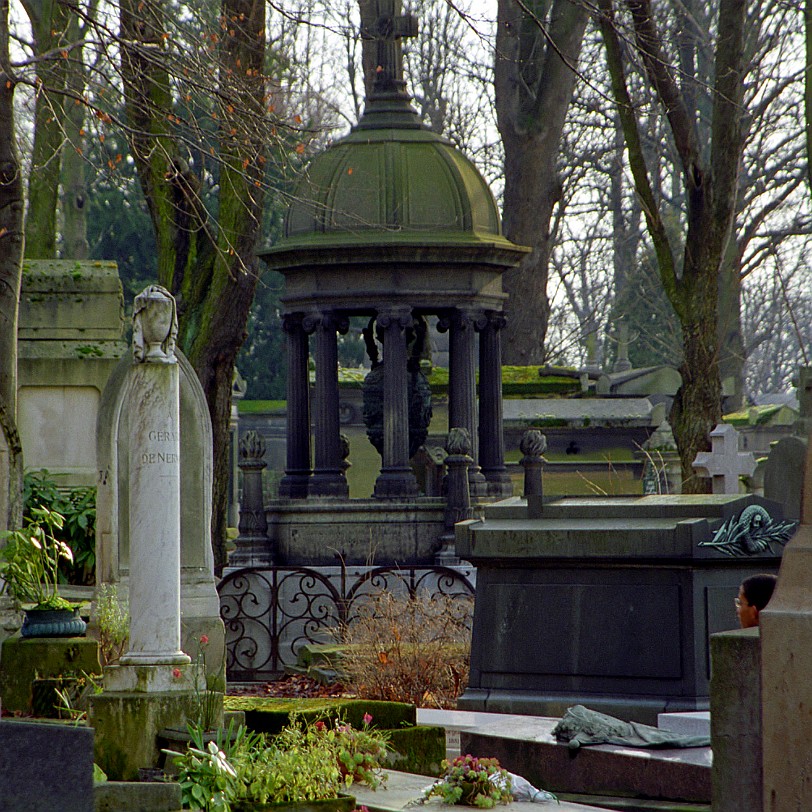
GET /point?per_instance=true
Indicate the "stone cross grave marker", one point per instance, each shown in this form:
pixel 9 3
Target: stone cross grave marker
pixel 724 463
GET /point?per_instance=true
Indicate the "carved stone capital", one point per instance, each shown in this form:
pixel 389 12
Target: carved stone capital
pixel 326 320
pixel 462 318
pixel 491 319
pixel 293 322
pixel 399 316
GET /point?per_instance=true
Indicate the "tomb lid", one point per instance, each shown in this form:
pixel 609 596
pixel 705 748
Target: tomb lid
pixel 391 182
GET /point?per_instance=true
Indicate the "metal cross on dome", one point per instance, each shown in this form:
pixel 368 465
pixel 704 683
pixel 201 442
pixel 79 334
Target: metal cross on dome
pixel 388 29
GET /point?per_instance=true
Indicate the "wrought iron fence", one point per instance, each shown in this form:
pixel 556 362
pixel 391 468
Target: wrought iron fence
pixel 269 613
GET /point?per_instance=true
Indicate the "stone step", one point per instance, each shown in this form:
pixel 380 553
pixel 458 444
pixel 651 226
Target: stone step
pixel 402 790
pixel 525 746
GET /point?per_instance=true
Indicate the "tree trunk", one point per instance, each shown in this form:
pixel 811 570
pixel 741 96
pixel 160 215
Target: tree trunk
pixel 534 86
pixel 50 23
pixel 74 188
pixel 209 267
pixel 710 181
pixel 12 243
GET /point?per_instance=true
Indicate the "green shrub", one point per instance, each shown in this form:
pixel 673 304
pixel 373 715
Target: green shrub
pixel 78 508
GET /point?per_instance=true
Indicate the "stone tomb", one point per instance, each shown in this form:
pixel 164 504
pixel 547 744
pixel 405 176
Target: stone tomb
pixel 604 602
pixel 200 606
pixel 70 338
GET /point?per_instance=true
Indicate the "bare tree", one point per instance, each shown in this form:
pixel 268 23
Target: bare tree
pixel 709 176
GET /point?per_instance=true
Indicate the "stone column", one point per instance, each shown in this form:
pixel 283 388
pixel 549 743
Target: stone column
pixel 253 544
pixel 491 435
pixel 293 484
pixel 328 474
pixel 458 497
pixel 154 487
pixel 532 446
pixel 396 478
pixel 786 670
pixel 462 387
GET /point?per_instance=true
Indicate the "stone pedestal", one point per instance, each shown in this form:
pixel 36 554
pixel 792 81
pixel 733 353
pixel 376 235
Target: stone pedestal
pixel 127 722
pixel 786 670
pixel 735 706
pixel 155 686
pixel 23 660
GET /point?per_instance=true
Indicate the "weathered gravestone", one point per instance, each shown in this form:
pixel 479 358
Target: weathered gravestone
pixel 153 685
pixel 45 767
pixel 786 672
pixel 784 474
pixel 200 606
pixel 70 338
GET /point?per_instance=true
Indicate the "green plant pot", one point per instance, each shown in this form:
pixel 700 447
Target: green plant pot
pixel 344 803
pixel 53 623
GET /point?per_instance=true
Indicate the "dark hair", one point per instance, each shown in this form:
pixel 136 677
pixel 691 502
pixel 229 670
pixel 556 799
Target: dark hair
pixel 758 589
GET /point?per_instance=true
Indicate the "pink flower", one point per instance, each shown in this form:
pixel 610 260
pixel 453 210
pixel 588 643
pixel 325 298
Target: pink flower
pixel 204 639
pixel 176 673
pixel 367 718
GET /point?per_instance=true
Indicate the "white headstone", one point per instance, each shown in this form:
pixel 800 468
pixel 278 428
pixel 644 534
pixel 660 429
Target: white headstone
pixel 200 606
pixel 724 464
pixel 154 464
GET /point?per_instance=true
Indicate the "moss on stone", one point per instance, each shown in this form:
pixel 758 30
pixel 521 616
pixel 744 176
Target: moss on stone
pixel 127 725
pixel 417 749
pixel 23 660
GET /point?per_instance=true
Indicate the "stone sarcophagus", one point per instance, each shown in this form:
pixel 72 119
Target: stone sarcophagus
pixel 609 602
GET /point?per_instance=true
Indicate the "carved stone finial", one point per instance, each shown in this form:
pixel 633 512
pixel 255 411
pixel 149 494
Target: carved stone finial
pixel 155 326
pixel 252 449
pixel 458 442
pixel 533 443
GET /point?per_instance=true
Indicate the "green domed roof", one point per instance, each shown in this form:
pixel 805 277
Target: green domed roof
pixel 391 181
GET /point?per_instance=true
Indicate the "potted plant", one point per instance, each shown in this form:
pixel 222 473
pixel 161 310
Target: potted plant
pixel 29 564
pixel 472 781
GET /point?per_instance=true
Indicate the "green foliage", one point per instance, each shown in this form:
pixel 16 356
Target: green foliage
pixel 472 781
pixel 113 618
pixel 77 506
pixel 305 762
pixel 209 698
pixel 29 561
pixel 654 330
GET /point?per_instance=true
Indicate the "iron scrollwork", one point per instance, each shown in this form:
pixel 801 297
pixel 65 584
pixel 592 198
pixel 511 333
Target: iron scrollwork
pixel 269 613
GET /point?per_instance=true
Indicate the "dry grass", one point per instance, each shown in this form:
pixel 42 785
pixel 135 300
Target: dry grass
pixel 409 648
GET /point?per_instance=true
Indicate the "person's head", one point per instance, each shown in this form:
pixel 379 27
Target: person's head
pixel 754 594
